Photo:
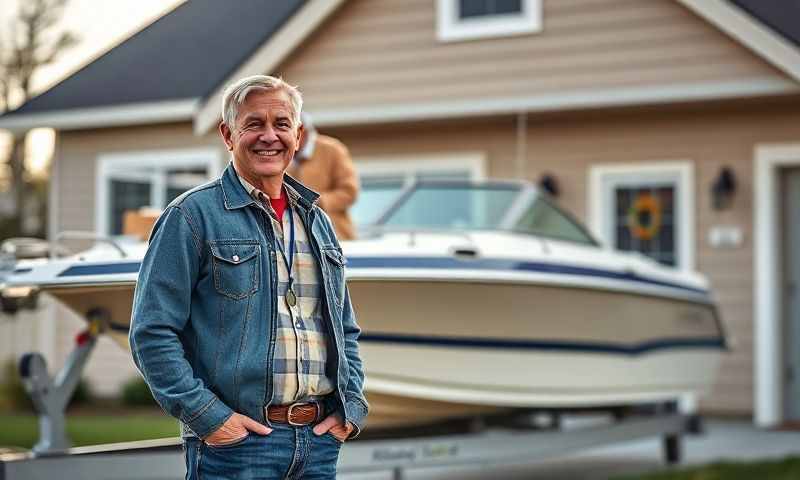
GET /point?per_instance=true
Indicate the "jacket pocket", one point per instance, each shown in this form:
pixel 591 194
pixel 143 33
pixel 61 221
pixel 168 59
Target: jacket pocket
pixel 236 267
pixel 335 282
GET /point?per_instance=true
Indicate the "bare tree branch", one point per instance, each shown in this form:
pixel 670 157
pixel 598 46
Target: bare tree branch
pixel 30 46
pixel 30 43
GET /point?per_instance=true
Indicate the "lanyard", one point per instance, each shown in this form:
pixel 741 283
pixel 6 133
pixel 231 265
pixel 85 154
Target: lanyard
pixel 291 298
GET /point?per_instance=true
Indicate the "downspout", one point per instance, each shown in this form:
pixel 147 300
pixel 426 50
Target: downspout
pixel 53 190
pixel 521 159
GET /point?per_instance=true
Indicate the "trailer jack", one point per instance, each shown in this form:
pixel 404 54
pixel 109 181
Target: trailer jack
pixel 50 396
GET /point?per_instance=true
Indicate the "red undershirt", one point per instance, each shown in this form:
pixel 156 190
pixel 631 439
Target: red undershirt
pixel 279 205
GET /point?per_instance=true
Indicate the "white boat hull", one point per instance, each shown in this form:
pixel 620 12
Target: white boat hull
pixel 456 348
pixel 533 346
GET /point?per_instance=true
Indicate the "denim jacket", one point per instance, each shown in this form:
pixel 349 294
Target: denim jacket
pixel 204 314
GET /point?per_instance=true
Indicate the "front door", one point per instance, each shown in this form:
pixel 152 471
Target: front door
pixel 792 309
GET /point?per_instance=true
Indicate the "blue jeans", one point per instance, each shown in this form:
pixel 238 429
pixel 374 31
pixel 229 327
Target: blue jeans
pixel 288 453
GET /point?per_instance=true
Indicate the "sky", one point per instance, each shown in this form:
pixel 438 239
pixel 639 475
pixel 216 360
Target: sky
pixel 100 25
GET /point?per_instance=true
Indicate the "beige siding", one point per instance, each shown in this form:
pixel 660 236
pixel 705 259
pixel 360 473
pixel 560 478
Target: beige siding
pixel 380 53
pixel 24 332
pixel 710 137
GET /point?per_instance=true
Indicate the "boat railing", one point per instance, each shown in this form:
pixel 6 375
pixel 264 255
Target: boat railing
pixel 26 248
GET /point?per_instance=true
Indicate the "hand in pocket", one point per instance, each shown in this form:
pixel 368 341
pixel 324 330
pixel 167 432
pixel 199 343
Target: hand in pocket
pixel 235 428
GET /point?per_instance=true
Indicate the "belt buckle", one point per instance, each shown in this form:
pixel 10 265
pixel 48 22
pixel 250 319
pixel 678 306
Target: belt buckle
pixel 291 408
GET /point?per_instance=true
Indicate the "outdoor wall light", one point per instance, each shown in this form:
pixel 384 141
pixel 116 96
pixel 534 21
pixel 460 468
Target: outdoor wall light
pixel 549 184
pixel 723 189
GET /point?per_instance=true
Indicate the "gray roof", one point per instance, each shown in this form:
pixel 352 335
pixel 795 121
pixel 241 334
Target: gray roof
pixel 782 16
pixel 186 54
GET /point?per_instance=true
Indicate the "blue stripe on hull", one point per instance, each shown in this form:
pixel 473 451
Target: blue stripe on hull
pixel 429 263
pixel 102 269
pixel 547 345
pixel 542 345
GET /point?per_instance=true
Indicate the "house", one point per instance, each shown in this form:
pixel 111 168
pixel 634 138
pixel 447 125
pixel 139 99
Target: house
pixel 694 102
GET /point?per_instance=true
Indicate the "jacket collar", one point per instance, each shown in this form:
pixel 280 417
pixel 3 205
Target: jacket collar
pixel 235 196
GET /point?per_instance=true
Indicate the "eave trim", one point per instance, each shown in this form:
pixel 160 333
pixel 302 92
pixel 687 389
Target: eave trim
pixel 100 117
pixel 750 32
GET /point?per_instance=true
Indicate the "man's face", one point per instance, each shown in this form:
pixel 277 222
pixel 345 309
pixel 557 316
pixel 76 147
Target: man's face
pixel 264 137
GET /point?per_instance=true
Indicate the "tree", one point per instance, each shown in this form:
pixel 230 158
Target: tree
pixel 30 42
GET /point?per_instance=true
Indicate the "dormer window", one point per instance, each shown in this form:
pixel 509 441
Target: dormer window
pixel 469 19
pixel 486 8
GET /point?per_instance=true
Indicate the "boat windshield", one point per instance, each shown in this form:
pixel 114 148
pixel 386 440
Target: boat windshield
pixel 544 219
pixel 460 206
pixel 452 207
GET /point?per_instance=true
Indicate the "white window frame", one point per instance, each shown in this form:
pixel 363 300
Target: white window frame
pixel 451 28
pixel 122 166
pixel 603 178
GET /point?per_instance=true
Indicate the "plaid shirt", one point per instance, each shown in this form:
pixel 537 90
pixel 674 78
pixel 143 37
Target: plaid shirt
pixel 301 349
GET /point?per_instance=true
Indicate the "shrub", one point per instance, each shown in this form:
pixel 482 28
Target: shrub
pixel 82 394
pixel 136 393
pixel 13 395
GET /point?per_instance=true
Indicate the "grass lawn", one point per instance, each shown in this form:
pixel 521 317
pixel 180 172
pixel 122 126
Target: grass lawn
pixel 21 429
pixel 786 469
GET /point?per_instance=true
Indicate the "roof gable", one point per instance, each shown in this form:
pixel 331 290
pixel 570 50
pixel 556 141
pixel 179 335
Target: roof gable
pixel 780 15
pixel 175 68
pixel 766 29
pixel 590 54
pixel 183 55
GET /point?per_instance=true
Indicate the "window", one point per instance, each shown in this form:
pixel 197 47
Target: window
pixel 130 181
pixel 126 195
pixel 646 221
pixel 468 19
pixel 484 8
pixel 382 179
pixel 646 209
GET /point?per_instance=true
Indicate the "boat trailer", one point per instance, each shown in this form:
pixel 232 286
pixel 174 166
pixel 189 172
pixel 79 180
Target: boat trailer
pixel 523 439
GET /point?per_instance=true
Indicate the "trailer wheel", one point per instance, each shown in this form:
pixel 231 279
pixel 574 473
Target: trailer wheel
pixel 9 305
pixel 672 449
pixel 25 365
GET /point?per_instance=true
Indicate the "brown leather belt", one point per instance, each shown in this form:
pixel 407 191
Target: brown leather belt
pixel 296 414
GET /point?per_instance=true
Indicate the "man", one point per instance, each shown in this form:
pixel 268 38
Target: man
pixel 242 324
pixel 323 164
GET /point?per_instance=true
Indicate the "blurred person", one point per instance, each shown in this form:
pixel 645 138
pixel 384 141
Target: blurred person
pixel 323 164
pixel 242 324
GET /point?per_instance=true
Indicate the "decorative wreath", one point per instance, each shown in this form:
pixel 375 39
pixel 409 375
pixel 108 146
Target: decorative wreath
pixel 649 204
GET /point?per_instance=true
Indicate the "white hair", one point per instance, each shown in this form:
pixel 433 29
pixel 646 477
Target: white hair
pixel 236 93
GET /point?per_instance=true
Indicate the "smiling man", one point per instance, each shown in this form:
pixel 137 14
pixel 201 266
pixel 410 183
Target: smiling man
pixel 242 324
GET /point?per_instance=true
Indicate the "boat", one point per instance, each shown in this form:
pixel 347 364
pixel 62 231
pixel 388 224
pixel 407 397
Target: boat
pixel 477 298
